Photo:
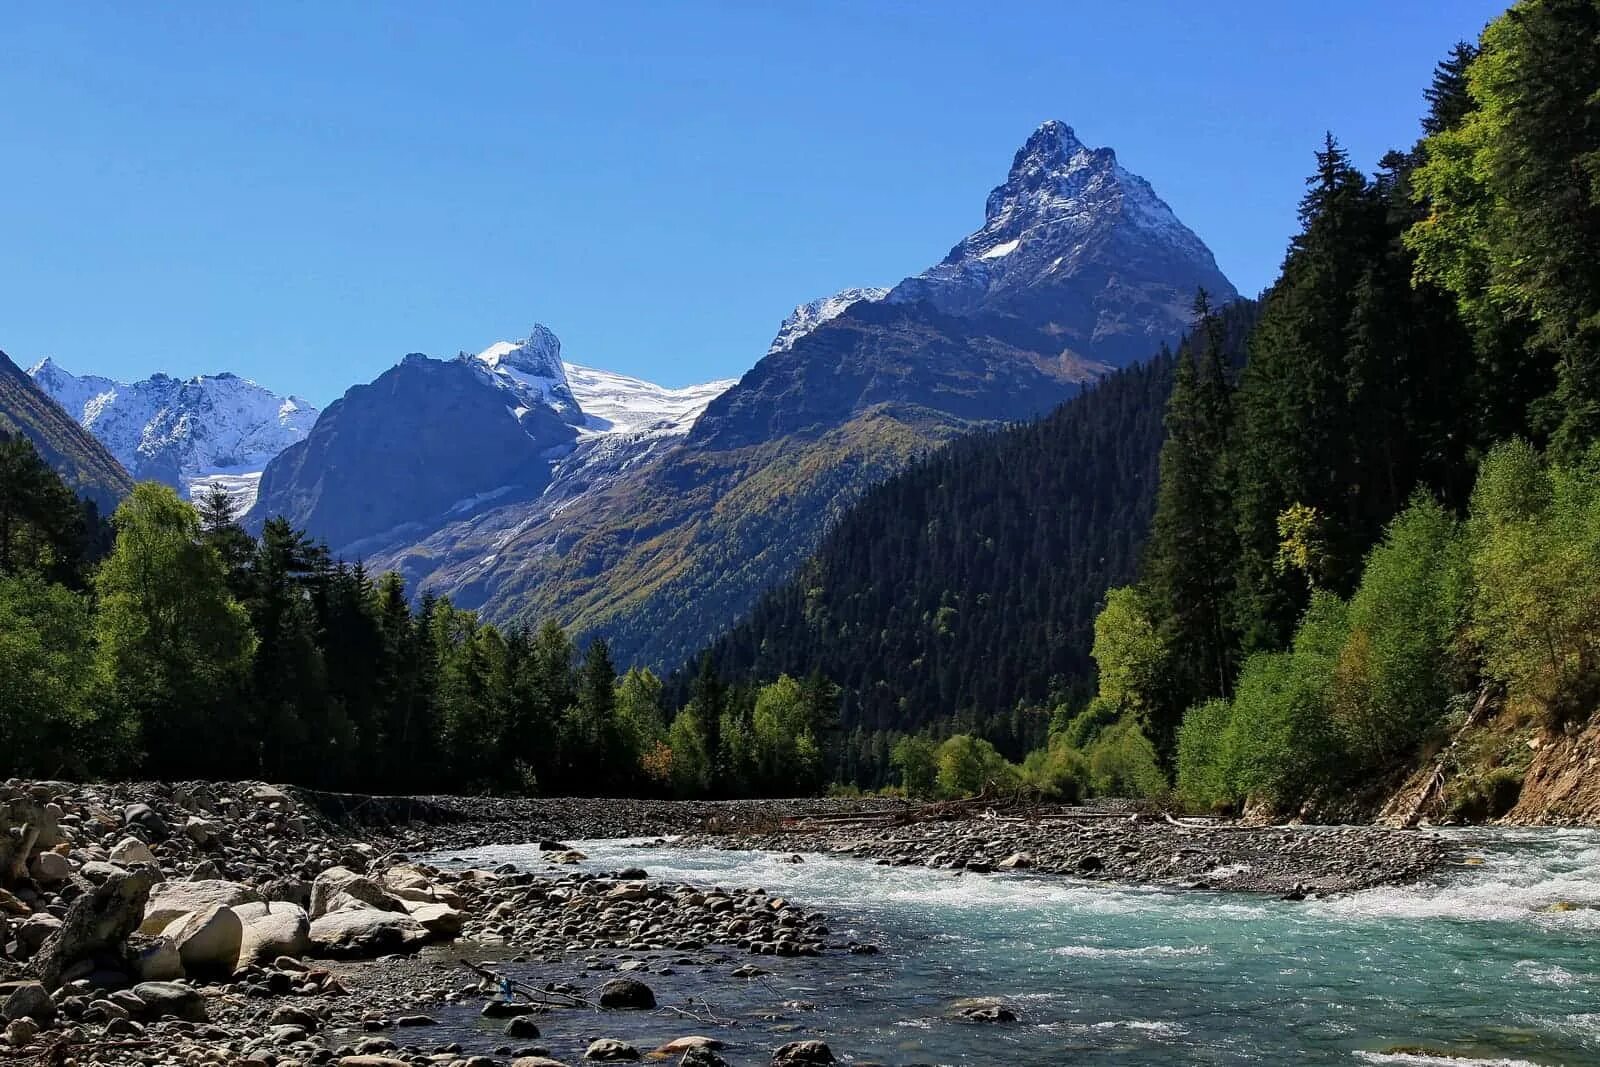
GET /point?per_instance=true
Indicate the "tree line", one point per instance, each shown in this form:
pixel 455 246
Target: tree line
pixel 171 643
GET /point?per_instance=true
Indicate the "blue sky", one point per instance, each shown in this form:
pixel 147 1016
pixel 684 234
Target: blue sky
pixel 304 192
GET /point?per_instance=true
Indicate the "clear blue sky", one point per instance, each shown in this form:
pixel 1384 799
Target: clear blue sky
pixel 304 192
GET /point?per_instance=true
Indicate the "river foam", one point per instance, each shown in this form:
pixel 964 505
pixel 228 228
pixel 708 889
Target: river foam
pixel 1490 964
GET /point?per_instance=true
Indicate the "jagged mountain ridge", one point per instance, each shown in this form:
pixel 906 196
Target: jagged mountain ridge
pixel 808 316
pixel 185 432
pixel 663 554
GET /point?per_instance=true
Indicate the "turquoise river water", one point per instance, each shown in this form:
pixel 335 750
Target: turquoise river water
pixel 1497 963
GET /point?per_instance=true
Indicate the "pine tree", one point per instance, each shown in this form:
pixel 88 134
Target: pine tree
pixel 41 525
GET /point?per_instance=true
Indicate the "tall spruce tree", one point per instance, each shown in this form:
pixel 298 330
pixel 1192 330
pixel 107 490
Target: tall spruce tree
pixel 1298 437
pixel 1193 544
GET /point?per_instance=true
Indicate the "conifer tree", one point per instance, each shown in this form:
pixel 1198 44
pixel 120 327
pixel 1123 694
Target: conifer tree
pixel 1193 545
pixel 1298 437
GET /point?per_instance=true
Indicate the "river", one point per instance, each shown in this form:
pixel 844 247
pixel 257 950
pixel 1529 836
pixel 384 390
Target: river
pixel 1495 962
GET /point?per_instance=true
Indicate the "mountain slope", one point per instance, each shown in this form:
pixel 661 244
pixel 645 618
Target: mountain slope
pixel 185 432
pixel 968 584
pixel 667 552
pixel 83 462
pixel 426 437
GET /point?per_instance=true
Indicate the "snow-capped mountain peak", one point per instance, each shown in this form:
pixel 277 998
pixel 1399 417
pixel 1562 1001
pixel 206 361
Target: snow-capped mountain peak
pixel 185 432
pixel 532 371
pixel 807 317
pixel 596 401
pixel 1063 207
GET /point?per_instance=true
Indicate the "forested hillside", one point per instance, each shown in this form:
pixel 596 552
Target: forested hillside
pixel 961 594
pixel 1388 550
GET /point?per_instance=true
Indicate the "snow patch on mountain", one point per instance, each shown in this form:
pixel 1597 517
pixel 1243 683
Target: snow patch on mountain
pixel 596 401
pixel 185 432
pixel 617 403
pixel 807 317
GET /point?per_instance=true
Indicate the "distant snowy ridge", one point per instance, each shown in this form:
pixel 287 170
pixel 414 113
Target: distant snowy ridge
pixel 185 432
pixel 807 317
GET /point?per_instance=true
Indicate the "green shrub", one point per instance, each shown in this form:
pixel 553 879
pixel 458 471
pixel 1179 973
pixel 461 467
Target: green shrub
pixel 1084 727
pixel 969 765
pixel 1123 763
pixel 1058 771
pixel 1205 774
pixel 1535 614
pixel 917 760
pixel 1394 678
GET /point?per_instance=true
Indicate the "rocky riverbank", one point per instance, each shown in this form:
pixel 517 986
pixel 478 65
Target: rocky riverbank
pixel 1122 847
pixel 247 924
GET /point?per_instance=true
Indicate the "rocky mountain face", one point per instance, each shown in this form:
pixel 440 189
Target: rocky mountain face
pixel 211 429
pixel 1076 247
pixel 663 543
pixel 83 462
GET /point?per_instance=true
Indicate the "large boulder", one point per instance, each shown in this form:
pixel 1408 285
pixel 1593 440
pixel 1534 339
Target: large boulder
pixel 272 929
pixel 208 941
pixel 19 1032
pixel 803 1054
pixel 144 817
pixel 361 932
pixel 163 999
pixel 340 887
pixel 412 884
pixel 627 993
pixel 129 851
pixel 440 920
pixel 50 868
pixel 174 900
pixel 610 1050
pixel 35 930
pixel 26 827
pixel 28 1000
pixel 96 921
pixel 154 959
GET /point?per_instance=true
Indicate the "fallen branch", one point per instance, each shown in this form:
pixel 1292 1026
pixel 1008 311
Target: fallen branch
pixel 708 1019
pixel 533 993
